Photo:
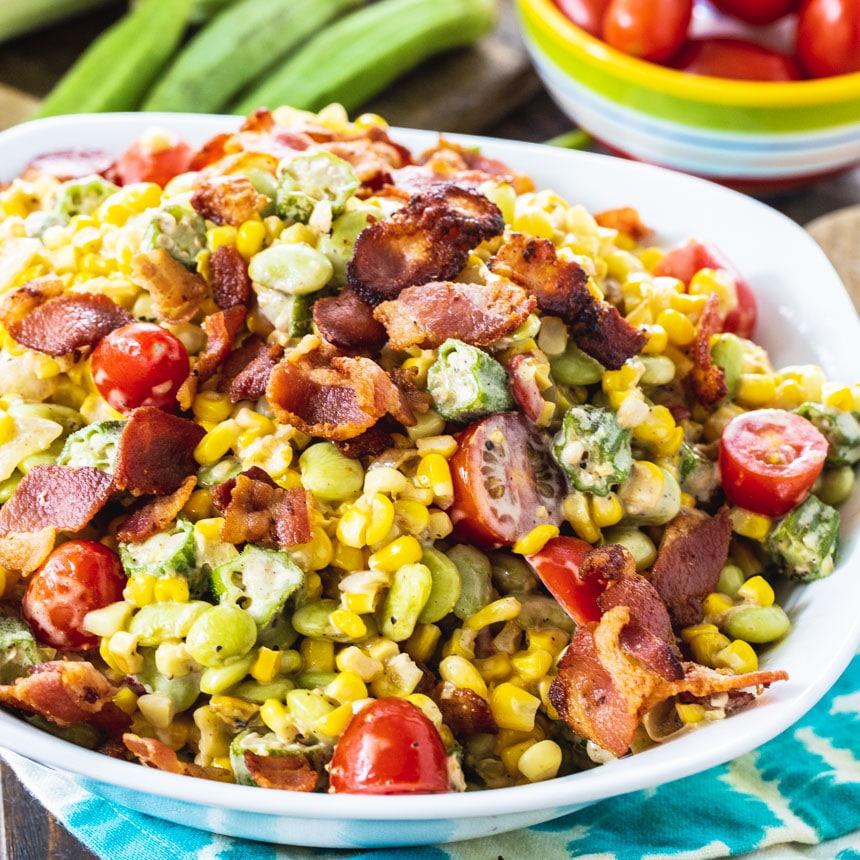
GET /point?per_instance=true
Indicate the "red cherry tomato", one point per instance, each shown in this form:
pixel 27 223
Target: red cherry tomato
pixel 683 262
pixel 769 460
pixel 139 364
pixel 650 29
pixel 505 481
pixel 586 14
pixel 828 37
pixel 736 58
pixel 76 578
pixel 557 565
pixel 152 162
pixel 390 747
pixel 756 11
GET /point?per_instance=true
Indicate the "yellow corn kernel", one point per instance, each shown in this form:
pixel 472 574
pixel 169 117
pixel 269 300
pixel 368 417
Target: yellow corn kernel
pixel 658 424
pixel 756 389
pixel 157 708
pixel 535 222
pixel 172 588
pixel 716 603
pixel 513 707
pixel 421 645
pixel 439 525
pixel 412 517
pixel 359 602
pixel 216 443
pixel 657 339
pixel 126 700
pixel 577 512
pixel 347 557
pixel 690 713
pixel 746 558
pixel 347 686
pixel 402 550
pixel 334 723
pixel 353 659
pixel 140 589
pixel 535 539
pixel 551 639
pixel 837 396
pixel 511 755
pixel 461 673
pixel 348 622
pixel 276 717
pixel 218 237
pixel 461 644
pixel 250 237
pixel 381 516
pixel 749 524
pixel 444 445
pixel 7 427
pixel 298 234
pixel 399 677
pixel 687 304
pixel 313 585
pixel 495 668
pixel 351 530
pixel 757 590
pixel 317 655
pixel 266 666
pixel 504 609
pixel 705 647
pixel 690 632
pixel 385 479
pixel 429 708
pixel 533 664
pixel 739 656
pixel 606 510
pixel 122 647
pixel 680 331
pixel 199 505
pixel 101 622
pixel 623 379
pixel 429 423
pixel 419 365
pixel 209 528
pixel 316 553
pixel 540 761
pixel 433 472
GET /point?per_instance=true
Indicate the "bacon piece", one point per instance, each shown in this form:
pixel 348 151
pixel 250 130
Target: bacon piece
pixel 464 711
pixel 478 314
pixel 212 150
pixel 602 692
pixel 692 551
pixel 155 452
pixel 625 220
pixel 64 498
pixel 176 292
pixel 256 510
pixel 245 373
pixel 561 289
pixel 69 323
pixel 23 552
pixel 371 443
pixel 290 772
pixel 221 329
pixel 157 754
pixel 157 514
pixel 228 199
pixel 528 373
pixel 428 239
pixel 707 379
pixel 17 305
pixel 68 164
pixel 447 157
pixel 347 322
pixel 228 274
pixel 333 396
pixel 372 160
pixel 66 692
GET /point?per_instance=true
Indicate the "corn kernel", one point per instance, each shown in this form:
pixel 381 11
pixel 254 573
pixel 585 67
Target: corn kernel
pixel 216 443
pixel 317 655
pixel 348 622
pixel 421 645
pixel 531 665
pixel 385 479
pixel 347 557
pixel 756 389
pixel 749 524
pixel 535 222
pixel 347 687
pixel 460 672
pixel 690 712
pixel 434 472
pixel 266 666
pixel 428 707
pixel 496 667
pixel 540 761
pixel 504 609
pixel 577 512
pixel 445 445
pixel 209 528
pixel 381 516
pixel 680 331
pixel 402 550
pixel 334 723
pixel 412 517
pixel 353 659
pixel 534 541
pixel 606 510
pixel 756 590
pixel 276 717
pixel 511 755
pixel 551 639
pixel 461 643
pixel 157 708
pixel 739 656
pixel 218 237
pixel 126 700
pixel 715 604
pixel 705 646
pixel 122 647
pixel 513 707
pixel 199 505
pixel 140 589
pixel 439 525
pixel 250 237
pixel 172 588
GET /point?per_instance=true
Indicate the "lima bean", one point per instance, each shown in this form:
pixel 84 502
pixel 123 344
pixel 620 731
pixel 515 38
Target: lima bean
pixel 407 596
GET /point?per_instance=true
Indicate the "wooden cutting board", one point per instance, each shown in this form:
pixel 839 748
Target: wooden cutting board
pixel 838 233
pixel 461 91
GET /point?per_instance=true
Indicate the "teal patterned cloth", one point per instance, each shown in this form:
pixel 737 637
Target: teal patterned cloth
pixel 797 796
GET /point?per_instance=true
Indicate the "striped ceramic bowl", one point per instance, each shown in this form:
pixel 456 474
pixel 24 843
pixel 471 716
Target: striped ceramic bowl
pixel 742 133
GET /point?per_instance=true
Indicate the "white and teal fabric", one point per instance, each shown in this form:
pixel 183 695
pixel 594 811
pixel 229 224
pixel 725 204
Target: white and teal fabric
pixel 796 797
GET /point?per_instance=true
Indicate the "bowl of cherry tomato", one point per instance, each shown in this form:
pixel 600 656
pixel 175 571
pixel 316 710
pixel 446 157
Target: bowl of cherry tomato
pixel 750 93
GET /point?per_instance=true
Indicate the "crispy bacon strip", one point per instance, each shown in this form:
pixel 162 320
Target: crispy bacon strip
pixel 333 396
pixel 625 220
pixel 290 772
pixel 428 239
pixel 347 322
pixel 245 372
pixel 692 551
pixel 230 199
pixel 155 452
pixel 157 514
pixel 64 498
pixel 463 161
pixel 221 329
pixel 478 314
pixel 176 292
pixel 602 692
pixel 228 274
pixel 66 692
pixel 707 379
pixel 156 754
pixel 560 288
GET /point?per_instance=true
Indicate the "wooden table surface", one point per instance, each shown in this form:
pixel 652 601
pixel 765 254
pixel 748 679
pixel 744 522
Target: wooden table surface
pixel 489 90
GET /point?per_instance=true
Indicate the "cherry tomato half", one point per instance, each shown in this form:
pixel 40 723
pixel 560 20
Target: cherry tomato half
pixel 650 29
pixel 390 747
pixel 756 11
pixel 139 364
pixel 828 37
pixel 683 262
pixel 738 59
pixel 76 578
pixel 505 481
pixel 769 460
pixel 557 566
pixel 586 14
pixel 155 162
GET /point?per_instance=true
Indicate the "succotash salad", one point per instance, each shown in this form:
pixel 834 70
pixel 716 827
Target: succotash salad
pixel 331 466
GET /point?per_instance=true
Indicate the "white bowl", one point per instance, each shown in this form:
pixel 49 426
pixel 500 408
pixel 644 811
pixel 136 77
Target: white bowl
pixel 806 316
